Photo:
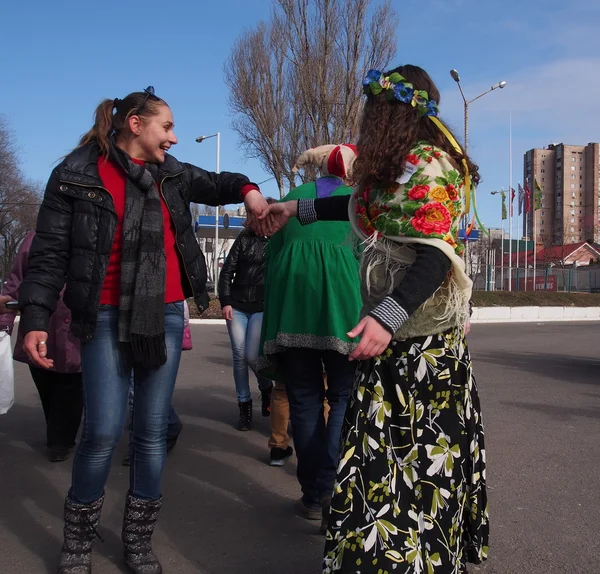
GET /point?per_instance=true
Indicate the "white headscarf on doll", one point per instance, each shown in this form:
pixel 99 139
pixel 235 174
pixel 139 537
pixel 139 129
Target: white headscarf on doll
pixel 336 160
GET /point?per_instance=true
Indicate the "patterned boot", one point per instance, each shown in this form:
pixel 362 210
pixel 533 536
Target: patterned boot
pixel 81 521
pixel 138 525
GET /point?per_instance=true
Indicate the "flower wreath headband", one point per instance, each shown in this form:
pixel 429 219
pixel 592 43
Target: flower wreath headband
pixel 396 87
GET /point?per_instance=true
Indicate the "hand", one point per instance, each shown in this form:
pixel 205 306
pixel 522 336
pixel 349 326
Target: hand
pixel 3 309
pixel 36 348
pixel 467 327
pixel 256 205
pixel 227 313
pixel 279 214
pixel 373 342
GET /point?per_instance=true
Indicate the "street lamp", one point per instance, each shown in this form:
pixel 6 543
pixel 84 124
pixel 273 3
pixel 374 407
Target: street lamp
pixel 215 250
pixel 456 78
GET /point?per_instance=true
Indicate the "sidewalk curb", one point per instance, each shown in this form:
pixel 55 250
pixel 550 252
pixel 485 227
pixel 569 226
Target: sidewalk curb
pixel 534 314
pixel 484 315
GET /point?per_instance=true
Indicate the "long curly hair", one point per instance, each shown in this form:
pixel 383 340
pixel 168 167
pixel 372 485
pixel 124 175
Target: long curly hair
pixel 389 130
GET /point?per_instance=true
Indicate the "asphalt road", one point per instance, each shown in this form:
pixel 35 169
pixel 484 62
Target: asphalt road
pixel 227 512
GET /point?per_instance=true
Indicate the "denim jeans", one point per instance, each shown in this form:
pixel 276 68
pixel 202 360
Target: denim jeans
pixel 317 442
pixel 173 424
pixel 244 332
pixel 106 381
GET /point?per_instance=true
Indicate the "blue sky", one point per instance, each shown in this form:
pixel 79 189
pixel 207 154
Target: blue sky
pixel 61 58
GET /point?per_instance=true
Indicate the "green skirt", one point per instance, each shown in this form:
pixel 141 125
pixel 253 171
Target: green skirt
pixel 410 492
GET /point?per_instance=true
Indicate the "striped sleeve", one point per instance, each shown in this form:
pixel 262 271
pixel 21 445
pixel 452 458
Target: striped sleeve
pixel 390 314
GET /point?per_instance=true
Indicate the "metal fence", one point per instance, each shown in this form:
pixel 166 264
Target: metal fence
pixel 488 277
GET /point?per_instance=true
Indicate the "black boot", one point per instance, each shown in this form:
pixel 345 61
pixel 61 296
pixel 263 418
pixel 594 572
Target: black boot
pixel 245 423
pixel 265 399
pixel 138 525
pixel 81 521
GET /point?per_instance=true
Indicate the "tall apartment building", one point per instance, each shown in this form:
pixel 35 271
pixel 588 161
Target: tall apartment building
pixel 570 180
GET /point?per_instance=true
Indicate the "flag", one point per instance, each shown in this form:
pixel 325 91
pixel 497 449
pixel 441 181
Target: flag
pixel 527 197
pixel 537 196
pixel 521 198
pixel 504 212
pixel 512 200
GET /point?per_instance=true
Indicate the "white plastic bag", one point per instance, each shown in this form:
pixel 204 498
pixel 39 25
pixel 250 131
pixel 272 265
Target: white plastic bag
pixel 7 374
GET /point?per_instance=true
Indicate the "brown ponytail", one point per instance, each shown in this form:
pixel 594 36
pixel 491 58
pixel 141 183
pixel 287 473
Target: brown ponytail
pixel 107 123
pixel 102 128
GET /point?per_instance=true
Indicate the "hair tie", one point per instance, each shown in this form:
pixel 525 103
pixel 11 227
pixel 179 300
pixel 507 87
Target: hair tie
pixel 116 102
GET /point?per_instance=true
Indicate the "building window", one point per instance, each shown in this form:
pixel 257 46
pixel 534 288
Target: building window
pixel 572 186
pixel 572 168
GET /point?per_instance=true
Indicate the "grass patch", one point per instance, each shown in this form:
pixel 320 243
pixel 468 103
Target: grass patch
pixel 534 299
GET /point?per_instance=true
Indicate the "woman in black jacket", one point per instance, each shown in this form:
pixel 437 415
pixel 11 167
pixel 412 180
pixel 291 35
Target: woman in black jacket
pixel 115 224
pixel 242 294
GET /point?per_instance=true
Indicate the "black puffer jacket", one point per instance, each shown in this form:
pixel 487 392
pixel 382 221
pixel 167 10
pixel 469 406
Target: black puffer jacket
pixel 242 280
pixel 75 232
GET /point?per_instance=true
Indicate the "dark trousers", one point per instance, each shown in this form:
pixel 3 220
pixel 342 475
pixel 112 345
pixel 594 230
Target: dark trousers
pixel 317 442
pixel 62 401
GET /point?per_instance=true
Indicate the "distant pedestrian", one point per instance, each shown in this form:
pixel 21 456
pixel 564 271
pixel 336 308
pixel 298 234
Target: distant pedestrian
pixel 59 388
pixel 242 296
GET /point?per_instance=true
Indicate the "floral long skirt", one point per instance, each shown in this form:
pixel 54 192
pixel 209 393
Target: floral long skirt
pixel 410 493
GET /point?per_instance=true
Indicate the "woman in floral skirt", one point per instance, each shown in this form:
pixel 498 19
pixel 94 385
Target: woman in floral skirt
pixel 410 491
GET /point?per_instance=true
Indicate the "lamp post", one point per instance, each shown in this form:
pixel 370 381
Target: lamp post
pixel 456 77
pixel 215 250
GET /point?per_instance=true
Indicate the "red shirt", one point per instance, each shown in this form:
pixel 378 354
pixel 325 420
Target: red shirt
pixel 113 178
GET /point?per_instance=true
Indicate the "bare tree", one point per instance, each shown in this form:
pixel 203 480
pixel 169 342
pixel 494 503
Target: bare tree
pixel 296 81
pixel 19 199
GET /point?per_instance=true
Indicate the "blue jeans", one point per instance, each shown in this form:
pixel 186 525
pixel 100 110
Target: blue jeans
pixel 173 424
pixel 317 444
pixel 244 332
pixel 106 381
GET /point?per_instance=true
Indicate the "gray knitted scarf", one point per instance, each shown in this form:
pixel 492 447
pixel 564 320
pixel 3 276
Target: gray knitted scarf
pixel 143 266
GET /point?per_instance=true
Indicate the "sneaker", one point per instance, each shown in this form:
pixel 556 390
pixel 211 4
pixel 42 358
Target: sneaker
pixel 308 512
pixel 265 399
pixel 280 456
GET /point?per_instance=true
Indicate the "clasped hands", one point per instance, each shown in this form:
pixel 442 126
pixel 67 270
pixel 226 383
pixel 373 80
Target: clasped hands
pixel 265 219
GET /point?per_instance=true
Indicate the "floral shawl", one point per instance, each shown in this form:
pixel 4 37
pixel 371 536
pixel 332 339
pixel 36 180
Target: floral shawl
pixel 424 205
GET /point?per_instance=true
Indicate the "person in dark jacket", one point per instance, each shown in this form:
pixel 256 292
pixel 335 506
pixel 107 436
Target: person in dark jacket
pixel 115 224
pixel 242 296
pixel 60 387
